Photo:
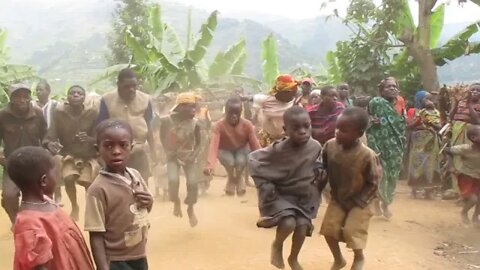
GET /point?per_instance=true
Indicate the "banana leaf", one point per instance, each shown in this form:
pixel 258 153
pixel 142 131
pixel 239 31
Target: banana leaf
pixel 225 61
pixel 140 53
pixel 270 60
pixel 206 36
pixel 457 46
pixel 239 65
pixel 155 22
pixel 108 73
pixel 172 45
pixel 436 25
pixel 404 21
pixel 166 63
pixel 334 74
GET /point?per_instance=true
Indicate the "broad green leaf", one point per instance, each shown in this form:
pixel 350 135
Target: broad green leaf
pixel 239 65
pixel 270 67
pixel 404 21
pixel 140 53
pixel 334 74
pixel 436 25
pixel 166 63
pixel 173 45
pixel 456 46
pixel 108 73
pixel 156 25
pixel 206 35
pixel 224 61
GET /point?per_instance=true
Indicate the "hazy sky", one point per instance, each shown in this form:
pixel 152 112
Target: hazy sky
pixel 312 8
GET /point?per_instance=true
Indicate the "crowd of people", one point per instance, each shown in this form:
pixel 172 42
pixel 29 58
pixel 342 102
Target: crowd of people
pixel 297 142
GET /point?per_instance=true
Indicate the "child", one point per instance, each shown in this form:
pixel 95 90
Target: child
pixel 285 176
pixel 45 237
pixel 233 137
pixel 181 140
pixel 353 172
pixel 117 203
pixel 71 135
pixel 469 173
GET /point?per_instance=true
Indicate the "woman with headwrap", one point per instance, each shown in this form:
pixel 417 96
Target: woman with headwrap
pixel 270 108
pixel 386 136
pixel 424 146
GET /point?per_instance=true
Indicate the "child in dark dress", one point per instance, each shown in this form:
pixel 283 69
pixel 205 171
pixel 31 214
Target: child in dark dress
pixel 285 175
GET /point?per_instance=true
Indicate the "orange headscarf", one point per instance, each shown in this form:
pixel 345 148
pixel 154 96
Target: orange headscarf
pixel 284 82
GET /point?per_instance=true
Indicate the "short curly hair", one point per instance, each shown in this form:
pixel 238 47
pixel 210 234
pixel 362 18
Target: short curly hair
pixel 28 164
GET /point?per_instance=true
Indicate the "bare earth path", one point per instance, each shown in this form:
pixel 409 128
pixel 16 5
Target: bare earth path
pixel 227 239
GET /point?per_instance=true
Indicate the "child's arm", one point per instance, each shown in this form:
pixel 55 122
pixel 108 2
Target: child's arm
pixel 372 175
pixel 198 142
pixel 97 243
pixel 321 174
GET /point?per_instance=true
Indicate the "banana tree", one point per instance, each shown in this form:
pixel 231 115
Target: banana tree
pixel 270 67
pixel 10 73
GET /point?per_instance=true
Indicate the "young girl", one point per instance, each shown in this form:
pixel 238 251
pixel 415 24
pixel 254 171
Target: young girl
pixel 118 203
pixel 45 236
pixel 285 176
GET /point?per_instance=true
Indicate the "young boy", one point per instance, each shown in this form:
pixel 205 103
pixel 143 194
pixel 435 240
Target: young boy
pixel 233 137
pixel 469 173
pixel 71 135
pixel 117 203
pixel 181 140
pixel 285 176
pixel 353 172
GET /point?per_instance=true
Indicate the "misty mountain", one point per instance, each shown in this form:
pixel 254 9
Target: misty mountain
pixel 66 39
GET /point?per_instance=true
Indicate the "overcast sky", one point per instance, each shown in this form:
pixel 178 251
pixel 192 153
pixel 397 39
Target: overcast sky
pixel 298 9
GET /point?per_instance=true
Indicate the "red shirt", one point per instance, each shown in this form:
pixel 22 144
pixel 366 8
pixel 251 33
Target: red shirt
pixel 324 123
pixel 50 238
pixel 227 137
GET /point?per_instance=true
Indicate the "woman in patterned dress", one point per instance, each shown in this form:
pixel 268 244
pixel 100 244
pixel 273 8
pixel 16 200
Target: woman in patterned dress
pixel 386 136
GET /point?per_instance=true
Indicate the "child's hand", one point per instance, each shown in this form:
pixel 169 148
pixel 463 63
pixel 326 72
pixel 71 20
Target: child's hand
pixel 375 120
pixel 143 199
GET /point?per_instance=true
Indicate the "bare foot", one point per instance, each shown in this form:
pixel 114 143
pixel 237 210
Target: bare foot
pixel 192 218
pixel 337 265
pixel 75 213
pixel 358 264
pixel 177 209
pixel 276 258
pixel 386 212
pixel 241 192
pixel 294 264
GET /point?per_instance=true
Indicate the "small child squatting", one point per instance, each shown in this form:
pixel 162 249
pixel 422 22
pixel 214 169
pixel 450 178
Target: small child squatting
pixel 285 176
pixel 45 236
pixel 469 174
pixel 118 203
pixel 353 171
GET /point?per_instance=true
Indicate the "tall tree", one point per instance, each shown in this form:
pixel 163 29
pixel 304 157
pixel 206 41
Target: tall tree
pixel 129 15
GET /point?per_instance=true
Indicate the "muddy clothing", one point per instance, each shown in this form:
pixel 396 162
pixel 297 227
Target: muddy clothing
pixel 15 132
pixel 284 175
pixel 179 140
pixel 139 114
pixel 353 174
pixel 111 209
pixel 65 127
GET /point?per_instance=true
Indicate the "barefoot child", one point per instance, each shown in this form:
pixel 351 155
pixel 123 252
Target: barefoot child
pixel 233 137
pixel 45 236
pixel 353 172
pixel 181 140
pixel 71 135
pixel 285 176
pixel 117 203
pixel 469 173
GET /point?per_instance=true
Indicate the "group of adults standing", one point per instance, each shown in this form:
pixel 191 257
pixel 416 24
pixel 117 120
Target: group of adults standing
pixel 68 130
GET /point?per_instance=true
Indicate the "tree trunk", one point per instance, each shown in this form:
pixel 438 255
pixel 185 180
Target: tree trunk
pixel 428 68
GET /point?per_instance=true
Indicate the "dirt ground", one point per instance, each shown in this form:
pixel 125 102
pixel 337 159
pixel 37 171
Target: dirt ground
pixel 421 235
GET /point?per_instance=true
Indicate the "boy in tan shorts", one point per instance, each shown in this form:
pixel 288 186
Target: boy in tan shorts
pixel 353 172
